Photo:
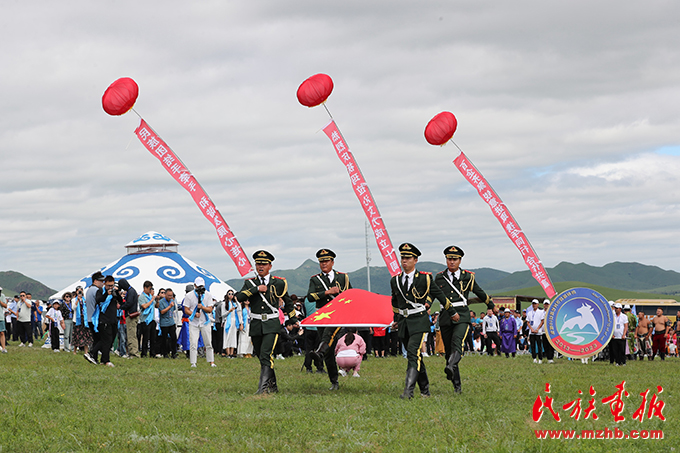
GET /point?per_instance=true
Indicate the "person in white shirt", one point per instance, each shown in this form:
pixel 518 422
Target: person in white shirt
pixel 56 319
pixel 535 319
pixel 618 343
pixel 198 304
pixel 490 329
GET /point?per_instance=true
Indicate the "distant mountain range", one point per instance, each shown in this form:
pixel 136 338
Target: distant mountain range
pixel 13 283
pixel 613 280
pixel 622 278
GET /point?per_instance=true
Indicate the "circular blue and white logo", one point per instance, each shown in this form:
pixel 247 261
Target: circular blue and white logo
pixel 579 322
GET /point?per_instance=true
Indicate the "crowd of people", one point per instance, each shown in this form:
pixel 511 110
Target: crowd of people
pixel 262 320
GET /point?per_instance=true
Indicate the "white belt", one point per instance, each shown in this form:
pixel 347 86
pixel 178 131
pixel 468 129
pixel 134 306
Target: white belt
pixel 411 311
pixel 265 316
pixel 459 304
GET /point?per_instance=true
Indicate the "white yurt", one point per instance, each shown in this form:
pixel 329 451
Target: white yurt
pixel 154 257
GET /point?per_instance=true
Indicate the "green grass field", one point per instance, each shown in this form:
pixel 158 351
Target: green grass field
pixel 59 402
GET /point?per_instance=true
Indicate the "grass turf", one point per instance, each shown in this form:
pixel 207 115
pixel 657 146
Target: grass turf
pixel 59 402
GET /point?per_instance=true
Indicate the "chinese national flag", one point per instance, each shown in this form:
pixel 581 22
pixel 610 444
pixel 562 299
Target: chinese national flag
pixel 353 308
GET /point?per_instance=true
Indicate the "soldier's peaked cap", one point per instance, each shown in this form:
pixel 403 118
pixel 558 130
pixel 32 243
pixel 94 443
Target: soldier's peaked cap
pixel 325 255
pixel 263 257
pixel 407 249
pixel 453 251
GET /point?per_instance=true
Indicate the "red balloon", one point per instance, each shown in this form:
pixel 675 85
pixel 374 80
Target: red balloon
pixel 315 90
pixel 120 96
pixel 440 129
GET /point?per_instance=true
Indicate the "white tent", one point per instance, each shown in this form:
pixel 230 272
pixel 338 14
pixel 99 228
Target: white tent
pixel 154 257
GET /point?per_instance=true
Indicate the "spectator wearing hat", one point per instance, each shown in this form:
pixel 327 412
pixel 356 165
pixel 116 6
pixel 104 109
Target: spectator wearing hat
pixel 90 303
pixel 105 321
pixel 56 319
pixel 324 287
pixel 508 328
pixel 266 293
pixel 198 304
pixel 412 292
pixel 455 322
pixel 618 342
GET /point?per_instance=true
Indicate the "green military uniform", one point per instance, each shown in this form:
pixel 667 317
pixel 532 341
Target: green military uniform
pixel 410 303
pixel 265 324
pixel 457 290
pixel 318 285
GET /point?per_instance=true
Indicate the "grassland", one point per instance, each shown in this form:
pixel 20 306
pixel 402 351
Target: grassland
pixel 59 402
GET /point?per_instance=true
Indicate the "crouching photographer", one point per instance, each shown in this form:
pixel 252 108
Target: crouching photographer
pixel 105 320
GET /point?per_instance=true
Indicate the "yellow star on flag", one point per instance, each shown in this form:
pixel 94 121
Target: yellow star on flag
pixel 348 301
pixel 323 316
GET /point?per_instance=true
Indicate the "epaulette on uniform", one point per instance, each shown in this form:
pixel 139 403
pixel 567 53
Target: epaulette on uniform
pixel 469 272
pixel 280 278
pixel 439 273
pixel 426 273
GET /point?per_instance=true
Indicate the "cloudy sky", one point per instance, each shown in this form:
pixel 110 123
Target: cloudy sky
pixel 570 110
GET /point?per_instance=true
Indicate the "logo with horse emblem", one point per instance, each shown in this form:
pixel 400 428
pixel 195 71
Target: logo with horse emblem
pixel 579 323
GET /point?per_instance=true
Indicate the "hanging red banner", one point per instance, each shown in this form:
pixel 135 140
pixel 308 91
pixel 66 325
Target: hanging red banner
pixel 363 193
pixel 169 160
pixel 510 225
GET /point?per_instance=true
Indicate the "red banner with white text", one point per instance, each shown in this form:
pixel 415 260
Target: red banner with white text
pixel 363 193
pixel 159 149
pixel 510 225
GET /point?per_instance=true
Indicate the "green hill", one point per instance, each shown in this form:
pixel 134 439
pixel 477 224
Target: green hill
pixel 625 276
pixel 13 282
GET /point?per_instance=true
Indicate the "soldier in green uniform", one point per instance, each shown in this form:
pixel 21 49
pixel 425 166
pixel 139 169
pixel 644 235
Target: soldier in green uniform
pixel 412 293
pixel 456 283
pixel 266 293
pixel 323 288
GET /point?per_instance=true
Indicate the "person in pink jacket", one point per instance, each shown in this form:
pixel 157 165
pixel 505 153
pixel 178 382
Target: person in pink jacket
pixel 349 352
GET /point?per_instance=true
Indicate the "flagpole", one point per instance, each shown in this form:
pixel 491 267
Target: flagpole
pixel 368 259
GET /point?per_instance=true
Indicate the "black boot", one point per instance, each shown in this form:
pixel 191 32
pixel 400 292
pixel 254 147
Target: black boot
pixel 265 374
pixel 452 365
pixel 271 382
pixel 456 380
pixel 411 377
pixel 320 352
pixel 423 382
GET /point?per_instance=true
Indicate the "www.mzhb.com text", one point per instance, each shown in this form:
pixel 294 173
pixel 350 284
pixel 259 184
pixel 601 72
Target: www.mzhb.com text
pixel 606 433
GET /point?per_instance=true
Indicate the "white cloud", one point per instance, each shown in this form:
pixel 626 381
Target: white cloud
pixel 559 105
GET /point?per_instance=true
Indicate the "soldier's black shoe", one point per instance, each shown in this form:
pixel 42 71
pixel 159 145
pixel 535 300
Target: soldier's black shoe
pixel 334 386
pixel 320 371
pixel 264 379
pixel 411 377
